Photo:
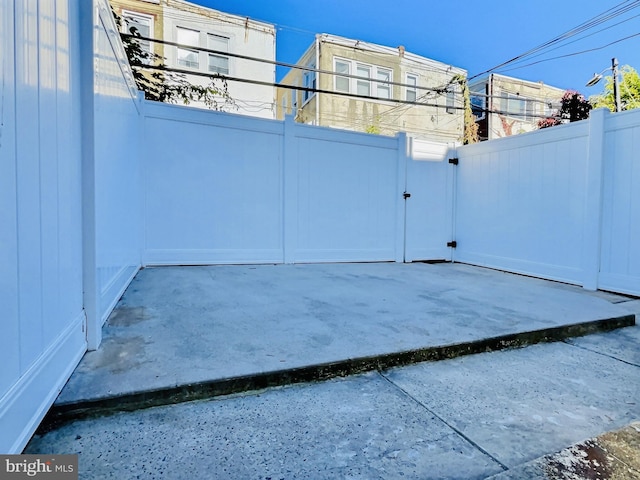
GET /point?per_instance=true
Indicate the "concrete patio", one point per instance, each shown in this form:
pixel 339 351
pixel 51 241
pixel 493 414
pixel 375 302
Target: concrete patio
pixel 190 333
pixel 185 333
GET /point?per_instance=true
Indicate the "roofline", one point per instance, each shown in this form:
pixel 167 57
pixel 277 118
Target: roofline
pixel 520 80
pixel 238 18
pixel 373 47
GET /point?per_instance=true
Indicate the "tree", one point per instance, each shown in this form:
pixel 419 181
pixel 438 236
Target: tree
pixel 574 107
pixel 629 91
pixel 470 126
pixel 162 85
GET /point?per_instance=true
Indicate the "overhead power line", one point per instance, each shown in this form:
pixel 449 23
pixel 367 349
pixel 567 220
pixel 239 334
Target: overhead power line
pixel 442 89
pixel 603 17
pixel 328 92
pixel 573 54
pixel 286 86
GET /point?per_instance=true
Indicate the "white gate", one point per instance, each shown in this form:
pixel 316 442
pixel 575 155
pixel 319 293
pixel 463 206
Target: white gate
pixel 429 202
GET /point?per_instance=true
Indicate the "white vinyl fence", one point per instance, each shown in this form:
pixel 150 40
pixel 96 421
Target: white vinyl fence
pixel 561 203
pixel 69 197
pixel 223 188
pixel 42 322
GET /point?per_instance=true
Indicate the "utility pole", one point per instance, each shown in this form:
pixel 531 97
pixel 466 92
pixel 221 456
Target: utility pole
pixel 616 86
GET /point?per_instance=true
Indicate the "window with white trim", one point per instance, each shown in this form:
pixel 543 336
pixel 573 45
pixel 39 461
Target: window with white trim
pixel 515 106
pixel 309 81
pixel 137 23
pixel 363 86
pixel 383 76
pixel 218 63
pixel 186 56
pixel 342 83
pixel 294 98
pixel 366 80
pixel 411 90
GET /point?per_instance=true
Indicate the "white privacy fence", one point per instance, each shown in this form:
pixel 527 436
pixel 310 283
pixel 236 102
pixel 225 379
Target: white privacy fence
pixel 223 188
pixel 620 207
pixel 69 197
pixel 562 203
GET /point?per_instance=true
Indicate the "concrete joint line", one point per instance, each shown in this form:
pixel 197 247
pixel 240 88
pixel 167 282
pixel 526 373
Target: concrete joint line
pixel 568 342
pixel 457 431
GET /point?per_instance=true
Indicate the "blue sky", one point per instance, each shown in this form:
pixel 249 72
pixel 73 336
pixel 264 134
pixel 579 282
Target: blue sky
pixel 466 34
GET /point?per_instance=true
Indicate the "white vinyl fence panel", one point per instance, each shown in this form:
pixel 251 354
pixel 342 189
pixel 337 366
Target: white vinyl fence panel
pixel 520 203
pixel 42 325
pixel 223 188
pixel 562 203
pixel 116 159
pixel 620 257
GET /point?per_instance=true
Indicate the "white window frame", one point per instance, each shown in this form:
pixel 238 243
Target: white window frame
pixel 528 111
pixel 150 18
pixel 309 81
pixel 194 50
pixel 337 77
pixel 294 99
pixel 411 90
pixel 372 82
pixel 361 82
pixel 217 55
pixel 385 85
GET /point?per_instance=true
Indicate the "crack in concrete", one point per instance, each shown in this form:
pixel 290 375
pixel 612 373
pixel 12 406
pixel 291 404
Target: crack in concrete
pixel 456 430
pixel 568 342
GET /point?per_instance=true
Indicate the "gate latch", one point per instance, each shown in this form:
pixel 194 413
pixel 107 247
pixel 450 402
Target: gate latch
pixel 406 195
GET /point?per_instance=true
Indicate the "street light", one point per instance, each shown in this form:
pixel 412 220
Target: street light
pixel 616 88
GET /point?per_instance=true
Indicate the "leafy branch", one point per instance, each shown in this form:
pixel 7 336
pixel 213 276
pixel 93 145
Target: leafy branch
pixel 166 86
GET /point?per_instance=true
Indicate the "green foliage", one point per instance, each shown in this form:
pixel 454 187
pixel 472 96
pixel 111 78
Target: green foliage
pixel 574 107
pixel 167 86
pixel 373 129
pixel 629 91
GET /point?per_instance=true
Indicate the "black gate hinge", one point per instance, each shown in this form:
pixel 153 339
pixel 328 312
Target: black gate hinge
pixel 453 244
pixel 406 195
pixel 454 161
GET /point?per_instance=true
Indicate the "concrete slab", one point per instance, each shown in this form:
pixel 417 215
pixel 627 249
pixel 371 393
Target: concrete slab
pixel 177 327
pixel 460 418
pixel 521 404
pixel 361 427
pixel 623 344
pixel 611 455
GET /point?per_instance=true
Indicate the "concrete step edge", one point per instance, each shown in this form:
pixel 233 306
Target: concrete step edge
pixel 61 413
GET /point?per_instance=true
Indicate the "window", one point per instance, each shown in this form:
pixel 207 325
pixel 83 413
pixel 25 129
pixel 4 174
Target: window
pixel 218 63
pixel 384 77
pixel 367 80
pixel 284 105
pixel 138 24
pixel 450 101
pixel 186 56
pixel 342 83
pixel 521 108
pixel 411 91
pixel 363 87
pixel 309 81
pixel 294 99
pixel 478 106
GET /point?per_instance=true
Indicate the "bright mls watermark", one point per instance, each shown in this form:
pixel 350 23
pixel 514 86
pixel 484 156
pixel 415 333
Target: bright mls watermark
pixel 52 467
